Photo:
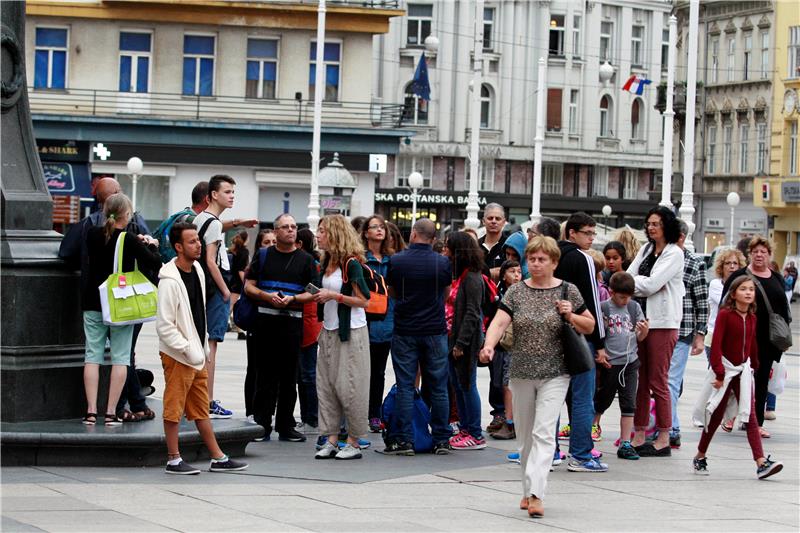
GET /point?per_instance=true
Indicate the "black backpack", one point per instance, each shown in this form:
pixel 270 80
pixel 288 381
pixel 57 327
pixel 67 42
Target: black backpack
pixel 211 285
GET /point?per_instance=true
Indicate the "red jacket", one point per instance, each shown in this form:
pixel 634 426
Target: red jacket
pixel 735 339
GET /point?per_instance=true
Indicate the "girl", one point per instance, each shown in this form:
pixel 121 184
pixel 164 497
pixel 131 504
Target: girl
pixel 616 259
pixel 734 352
pixel 510 273
pixel 241 258
pixel 307 369
pixel 599 267
pixel 627 238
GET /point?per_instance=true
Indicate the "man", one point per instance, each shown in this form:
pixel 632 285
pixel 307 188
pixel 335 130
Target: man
pixel 549 227
pixel 577 267
pixel 182 345
pixel 279 288
pixel 494 220
pixel 692 332
pixel 419 279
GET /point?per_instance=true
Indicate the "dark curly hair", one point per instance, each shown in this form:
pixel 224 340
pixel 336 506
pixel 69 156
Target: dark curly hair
pixel 464 253
pixel 672 230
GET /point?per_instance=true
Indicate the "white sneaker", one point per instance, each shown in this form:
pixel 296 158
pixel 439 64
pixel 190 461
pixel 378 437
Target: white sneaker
pixel 349 452
pixel 307 429
pixel 250 419
pixel 328 451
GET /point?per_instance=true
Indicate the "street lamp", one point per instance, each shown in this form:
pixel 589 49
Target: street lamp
pixel 733 200
pixel 415 181
pixel 472 220
pixel 606 213
pixel 135 167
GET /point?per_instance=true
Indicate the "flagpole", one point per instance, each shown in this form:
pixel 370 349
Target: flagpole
pixel 319 93
pixel 669 116
pixel 475 127
pixel 687 197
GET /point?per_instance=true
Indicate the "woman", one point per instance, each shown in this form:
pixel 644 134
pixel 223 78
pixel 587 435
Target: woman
pixel 538 375
pixel 375 237
pixel 658 272
pixel 307 368
pixel 102 242
pixel 465 335
pixel 343 358
pixel 772 283
pixel 265 238
pixel 727 262
pixel 395 237
pixel 241 258
pixel 628 240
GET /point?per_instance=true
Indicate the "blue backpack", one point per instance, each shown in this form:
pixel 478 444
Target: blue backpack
pixel 162 232
pixel 420 419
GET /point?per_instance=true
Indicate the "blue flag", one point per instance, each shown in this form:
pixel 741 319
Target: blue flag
pixel 420 84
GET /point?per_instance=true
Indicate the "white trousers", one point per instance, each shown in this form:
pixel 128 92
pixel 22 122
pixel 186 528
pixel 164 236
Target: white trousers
pixel 537 404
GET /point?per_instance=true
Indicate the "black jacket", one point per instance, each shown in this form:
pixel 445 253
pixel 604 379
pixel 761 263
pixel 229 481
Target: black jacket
pixel 467 331
pixel 574 267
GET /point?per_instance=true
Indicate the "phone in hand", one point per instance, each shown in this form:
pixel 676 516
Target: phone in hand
pixel 312 289
pixel 281 295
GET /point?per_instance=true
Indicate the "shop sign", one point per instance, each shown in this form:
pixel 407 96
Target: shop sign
pixel 334 204
pixel 62 150
pixel 440 199
pixel 59 177
pixel 790 191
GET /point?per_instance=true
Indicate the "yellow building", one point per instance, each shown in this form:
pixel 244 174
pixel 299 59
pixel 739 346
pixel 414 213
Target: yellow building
pixel 779 193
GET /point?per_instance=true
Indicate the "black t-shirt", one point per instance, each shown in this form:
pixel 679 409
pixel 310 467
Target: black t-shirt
pixel 288 273
pixel 192 282
pixel 240 260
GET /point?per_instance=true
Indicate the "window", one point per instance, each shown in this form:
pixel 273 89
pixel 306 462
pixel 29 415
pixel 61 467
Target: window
pixel 331 57
pixel 731 59
pixel 420 17
pixel 262 68
pixel 794 52
pixel 764 55
pixel 715 61
pixel 744 132
pixel 415 109
pixel 198 64
pixel 486 169
pixel 761 150
pixel 606 41
pixel 134 62
pixel 793 149
pixel 748 53
pixel 727 135
pixel 605 116
pixel 637 129
pixel 556 35
pixel 637 38
pixel 407 164
pixel 488 27
pixel 600 182
pixel 631 184
pixel 552 179
pixel 554 109
pixel 573 111
pixel 486 106
pixel 664 49
pixel 712 149
pixel 50 70
pixel 576 36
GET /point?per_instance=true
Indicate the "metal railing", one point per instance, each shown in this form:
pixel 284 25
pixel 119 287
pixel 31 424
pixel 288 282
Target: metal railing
pixel 95 102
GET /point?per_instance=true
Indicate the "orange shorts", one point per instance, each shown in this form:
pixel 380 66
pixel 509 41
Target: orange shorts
pixel 186 391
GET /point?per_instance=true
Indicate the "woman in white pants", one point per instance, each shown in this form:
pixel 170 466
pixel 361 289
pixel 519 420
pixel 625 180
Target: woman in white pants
pixel 539 379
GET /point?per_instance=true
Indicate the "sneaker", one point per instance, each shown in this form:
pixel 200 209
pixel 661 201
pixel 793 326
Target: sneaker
pixel 675 441
pixel 558 458
pixel 348 452
pixel 563 433
pixel 362 443
pixel 769 468
pixel 326 451
pixel 460 435
pixel 251 420
pixel 228 465
pixel 596 454
pixel 769 415
pixel 513 457
pixel 398 448
pixel 375 425
pixel 215 410
pixel 321 440
pixel 597 433
pixel 291 435
pixel 591 465
pixel 506 432
pixel 467 443
pixel 441 448
pixel 307 429
pixel 626 451
pixel 181 468
pixel 455 428
pixel 496 423
pixel 700 466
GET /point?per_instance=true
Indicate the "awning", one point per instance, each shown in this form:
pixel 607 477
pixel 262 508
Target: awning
pixel 67 178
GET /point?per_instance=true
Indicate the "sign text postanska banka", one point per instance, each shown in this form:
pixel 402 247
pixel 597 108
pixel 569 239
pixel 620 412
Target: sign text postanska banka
pixel 432 198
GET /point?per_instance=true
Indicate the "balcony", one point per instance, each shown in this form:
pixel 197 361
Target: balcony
pixel 224 109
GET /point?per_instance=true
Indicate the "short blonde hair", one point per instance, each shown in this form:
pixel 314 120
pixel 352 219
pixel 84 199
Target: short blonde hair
pixel 599 259
pixel 759 240
pixel 548 245
pixel 723 256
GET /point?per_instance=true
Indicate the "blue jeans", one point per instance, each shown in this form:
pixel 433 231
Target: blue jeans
pixel 307 385
pixel 429 354
pixel 468 400
pixel 580 436
pixel 677 366
pixel 771 401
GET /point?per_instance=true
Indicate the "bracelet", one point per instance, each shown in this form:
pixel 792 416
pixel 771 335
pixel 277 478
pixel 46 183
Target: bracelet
pixel 340 297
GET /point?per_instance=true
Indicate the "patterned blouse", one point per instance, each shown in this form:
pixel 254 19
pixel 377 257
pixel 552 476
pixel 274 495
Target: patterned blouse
pixel 537 352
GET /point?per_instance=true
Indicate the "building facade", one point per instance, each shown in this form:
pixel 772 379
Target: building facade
pixel 208 87
pixel 602 145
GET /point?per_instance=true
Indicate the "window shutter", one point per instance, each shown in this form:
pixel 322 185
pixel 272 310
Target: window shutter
pixel 553 109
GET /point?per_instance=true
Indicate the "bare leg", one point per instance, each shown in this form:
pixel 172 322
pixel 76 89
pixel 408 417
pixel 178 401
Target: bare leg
pixel 207 434
pixel 91 377
pixel 638 437
pixel 507 399
pixel 211 362
pixel 625 427
pixel 118 375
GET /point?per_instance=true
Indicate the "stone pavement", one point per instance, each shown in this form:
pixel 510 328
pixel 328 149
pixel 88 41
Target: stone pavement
pixel 285 489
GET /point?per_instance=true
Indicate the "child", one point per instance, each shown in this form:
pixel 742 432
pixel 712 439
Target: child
pixel 735 337
pixel 599 268
pixel 184 351
pixel 510 273
pixel 618 363
pixel 615 256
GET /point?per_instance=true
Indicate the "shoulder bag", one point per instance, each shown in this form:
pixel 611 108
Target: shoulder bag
pixel 779 334
pixel 577 357
pixel 127 297
pixel 245 310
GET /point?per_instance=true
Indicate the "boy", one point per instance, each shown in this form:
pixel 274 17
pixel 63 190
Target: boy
pixel 181 334
pixel 618 363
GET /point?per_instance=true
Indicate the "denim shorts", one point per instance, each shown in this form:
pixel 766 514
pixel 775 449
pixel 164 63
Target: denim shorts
pixel 96 333
pixel 217 312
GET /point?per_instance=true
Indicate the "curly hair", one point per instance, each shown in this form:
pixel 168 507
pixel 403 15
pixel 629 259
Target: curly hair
pixel 723 256
pixel 386 248
pixel 464 252
pixel 343 241
pixel 116 207
pixel 669 223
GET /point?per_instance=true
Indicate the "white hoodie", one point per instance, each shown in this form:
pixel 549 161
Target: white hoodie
pixel 177 334
pixel 663 288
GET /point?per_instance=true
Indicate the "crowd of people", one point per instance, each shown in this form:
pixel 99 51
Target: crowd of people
pixel 331 308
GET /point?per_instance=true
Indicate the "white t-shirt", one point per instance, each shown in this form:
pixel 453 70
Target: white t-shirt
pixel 214 235
pixel 330 311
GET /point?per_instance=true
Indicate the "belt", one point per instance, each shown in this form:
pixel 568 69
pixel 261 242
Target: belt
pixel 280 312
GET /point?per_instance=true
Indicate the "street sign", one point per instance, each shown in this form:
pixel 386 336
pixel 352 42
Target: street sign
pixel 377 163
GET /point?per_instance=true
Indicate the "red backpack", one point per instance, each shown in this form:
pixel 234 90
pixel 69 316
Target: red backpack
pixel 378 303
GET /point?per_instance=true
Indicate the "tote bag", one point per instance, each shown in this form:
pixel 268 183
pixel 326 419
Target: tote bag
pixel 127 297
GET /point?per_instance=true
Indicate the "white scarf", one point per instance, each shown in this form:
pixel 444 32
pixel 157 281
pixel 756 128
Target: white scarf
pixel 710 398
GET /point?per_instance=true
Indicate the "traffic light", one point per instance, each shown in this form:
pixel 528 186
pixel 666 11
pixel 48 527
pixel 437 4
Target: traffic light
pixel 765 191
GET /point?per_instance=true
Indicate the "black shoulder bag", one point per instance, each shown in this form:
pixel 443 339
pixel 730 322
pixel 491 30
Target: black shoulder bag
pixel 779 334
pixel 577 357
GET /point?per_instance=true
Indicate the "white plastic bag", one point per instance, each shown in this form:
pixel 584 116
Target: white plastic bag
pixel 777 378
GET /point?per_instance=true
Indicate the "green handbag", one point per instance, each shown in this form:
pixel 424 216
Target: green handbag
pixel 127 297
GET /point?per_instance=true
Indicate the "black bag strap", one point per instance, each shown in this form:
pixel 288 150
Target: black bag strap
pixel 202 233
pixel 564 291
pixel 762 291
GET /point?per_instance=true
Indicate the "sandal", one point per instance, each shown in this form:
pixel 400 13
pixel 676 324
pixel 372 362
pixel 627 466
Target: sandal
pixel 146 414
pixel 127 416
pixel 727 427
pixel 90 419
pixel 764 433
pixel 113 420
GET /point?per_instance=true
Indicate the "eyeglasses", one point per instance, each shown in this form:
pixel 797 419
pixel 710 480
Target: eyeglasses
pixel 588 233
pixel 287 227
pixel 377 226
pixel 731 263
pixel 653 224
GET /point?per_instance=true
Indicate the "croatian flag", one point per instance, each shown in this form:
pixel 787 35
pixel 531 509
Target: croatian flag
pixel 635 84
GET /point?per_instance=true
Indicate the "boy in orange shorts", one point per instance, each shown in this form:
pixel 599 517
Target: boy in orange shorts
pixel 182 344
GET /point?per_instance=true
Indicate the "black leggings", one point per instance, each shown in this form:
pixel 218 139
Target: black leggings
pixel 767 354
pixel 378 354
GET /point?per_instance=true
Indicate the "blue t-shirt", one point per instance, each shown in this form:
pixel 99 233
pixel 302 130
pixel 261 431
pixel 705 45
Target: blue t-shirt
pixel 418 276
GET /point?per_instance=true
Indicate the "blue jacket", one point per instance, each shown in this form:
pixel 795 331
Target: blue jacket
pixel 381 330
pixel 517 242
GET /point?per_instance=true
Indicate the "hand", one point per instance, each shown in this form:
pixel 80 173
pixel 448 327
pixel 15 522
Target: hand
pixel 486 354
pixel 698 346
pixel 147 240
pixel 248 222
pixel 286 300
pixel 602 358
pixel 276 300
pixel 642 328
pixel 564 307
pixel 717 383
pixel 226 295
pixel 325 295
pixel 457 352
